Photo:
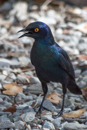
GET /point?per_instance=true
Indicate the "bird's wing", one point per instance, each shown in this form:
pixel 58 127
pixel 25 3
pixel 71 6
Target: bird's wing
pixel 65 65
pixel 65 62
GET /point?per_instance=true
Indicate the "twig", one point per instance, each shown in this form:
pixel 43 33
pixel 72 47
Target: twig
pixel 37 127
pixel 25 123
pixel 41 116
pixel 45 4
pixel 37 99
pixel 28 69
pixel 8 76
pixel 2 89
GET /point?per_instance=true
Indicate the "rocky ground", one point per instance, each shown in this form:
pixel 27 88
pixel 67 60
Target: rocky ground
pixel 69 27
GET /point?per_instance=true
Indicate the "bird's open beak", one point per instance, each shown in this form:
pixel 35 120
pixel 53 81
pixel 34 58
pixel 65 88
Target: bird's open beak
pixel 25 34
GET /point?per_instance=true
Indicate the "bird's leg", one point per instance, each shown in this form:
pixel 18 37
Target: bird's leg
pixel 45 90
pixel 64 92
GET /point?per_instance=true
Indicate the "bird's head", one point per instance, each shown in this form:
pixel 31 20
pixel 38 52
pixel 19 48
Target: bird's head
pixel 37 30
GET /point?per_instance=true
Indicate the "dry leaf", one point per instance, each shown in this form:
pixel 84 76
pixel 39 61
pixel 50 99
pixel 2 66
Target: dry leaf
pixel 1 89
pixel 2 1
pixel 7 25
pixel 11 109
pixel 9 54
pixel 86 26
pixel 66 31
pixel 54 97
pixel 12 89
pixel 84 93
pixel 27 77
pixel 73 14
pixel 74 114
pixel 57 3
pixel 82 27
pixel 82 57
pixel 83 63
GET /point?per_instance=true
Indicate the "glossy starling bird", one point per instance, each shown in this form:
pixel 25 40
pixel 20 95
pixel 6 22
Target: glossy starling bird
pixel 51 62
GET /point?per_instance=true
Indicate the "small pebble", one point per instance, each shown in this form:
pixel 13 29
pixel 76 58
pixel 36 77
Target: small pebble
pixel 29 116
pixel 49 106
pixel 48 125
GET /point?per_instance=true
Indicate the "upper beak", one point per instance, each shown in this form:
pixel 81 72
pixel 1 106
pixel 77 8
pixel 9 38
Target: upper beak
pixel 25 34
pixel 22 30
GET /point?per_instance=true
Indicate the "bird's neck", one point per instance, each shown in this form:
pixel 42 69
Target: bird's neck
pixel 47 40
pixel 50 39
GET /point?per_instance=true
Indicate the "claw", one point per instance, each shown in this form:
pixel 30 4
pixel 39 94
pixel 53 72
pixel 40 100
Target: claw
pixel 60 113
pixel 38 112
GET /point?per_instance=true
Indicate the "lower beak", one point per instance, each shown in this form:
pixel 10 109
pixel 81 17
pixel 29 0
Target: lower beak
pixel 25 34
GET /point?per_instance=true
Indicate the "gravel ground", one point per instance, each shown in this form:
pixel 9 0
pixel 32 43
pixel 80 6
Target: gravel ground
pixel 69 27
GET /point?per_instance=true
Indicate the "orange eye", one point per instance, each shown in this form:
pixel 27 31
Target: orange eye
pixel 36 29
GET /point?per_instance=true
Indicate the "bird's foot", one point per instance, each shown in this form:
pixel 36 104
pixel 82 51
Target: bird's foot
pixel 38 112
pixel 60 113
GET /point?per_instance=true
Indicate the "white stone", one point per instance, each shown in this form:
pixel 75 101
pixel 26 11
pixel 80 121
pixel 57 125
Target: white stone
pixel 48 116
pixel 57 122
pixel 48 20
pixel 29 116
pixel 75 126
pixel 48 125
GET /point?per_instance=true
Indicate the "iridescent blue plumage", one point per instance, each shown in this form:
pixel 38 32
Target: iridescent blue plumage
pixel 51 62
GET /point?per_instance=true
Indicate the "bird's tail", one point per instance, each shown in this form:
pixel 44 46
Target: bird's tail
pixel 74 88
pixel 84 93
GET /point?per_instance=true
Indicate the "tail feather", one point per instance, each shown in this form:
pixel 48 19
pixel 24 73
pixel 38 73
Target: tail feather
pixel 74 88
pixel 84 93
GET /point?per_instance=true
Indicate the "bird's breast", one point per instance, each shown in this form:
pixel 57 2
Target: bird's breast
pixel 45 61
pixel 40 56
